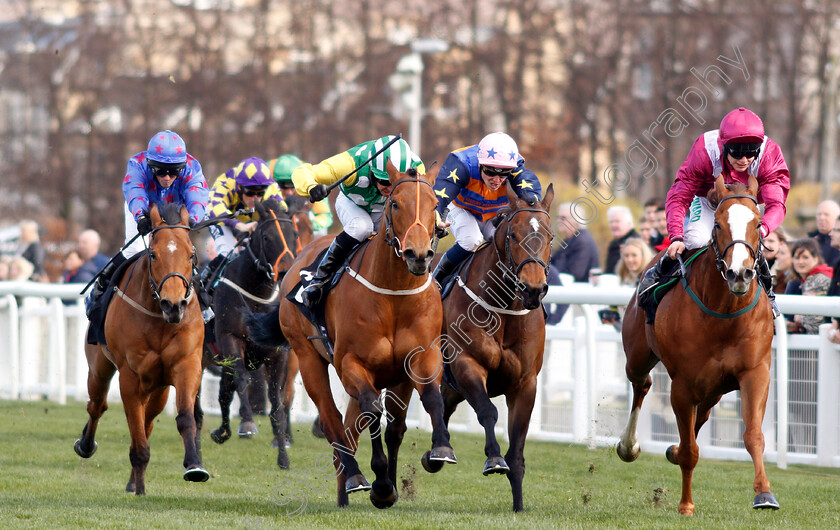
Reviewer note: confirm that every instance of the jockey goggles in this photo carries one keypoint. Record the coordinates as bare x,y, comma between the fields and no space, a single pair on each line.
159,169
501,172
253,191
739,151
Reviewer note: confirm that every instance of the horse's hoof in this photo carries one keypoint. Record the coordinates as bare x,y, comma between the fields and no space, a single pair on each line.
288,444
625,455
670,454
356,483
443,454
383,501
220,435
81,452
765,500
495,464
429,465
283,460
129,488
196,474
247,429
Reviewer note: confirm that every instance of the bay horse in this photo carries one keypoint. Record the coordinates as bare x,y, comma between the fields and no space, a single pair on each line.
384,318
713,334
250,283
495,329
154,333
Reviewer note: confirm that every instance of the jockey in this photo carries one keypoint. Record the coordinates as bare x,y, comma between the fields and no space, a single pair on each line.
473,180
238,188
359,205
736,150
163,173
320,214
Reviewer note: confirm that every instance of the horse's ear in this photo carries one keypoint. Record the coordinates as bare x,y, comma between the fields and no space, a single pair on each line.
512,197
185,216
547,198
752,186
154,215
432,173
393,173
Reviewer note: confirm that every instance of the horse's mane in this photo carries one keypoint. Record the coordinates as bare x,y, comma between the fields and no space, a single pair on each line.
296,204
170,212
274,205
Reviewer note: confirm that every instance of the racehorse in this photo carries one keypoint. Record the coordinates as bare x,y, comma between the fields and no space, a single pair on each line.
250,284
154,332
713,333
494,320
384,318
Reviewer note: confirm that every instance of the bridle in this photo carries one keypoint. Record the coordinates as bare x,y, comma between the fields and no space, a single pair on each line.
156,287
261,262
510,261
390,237
720,264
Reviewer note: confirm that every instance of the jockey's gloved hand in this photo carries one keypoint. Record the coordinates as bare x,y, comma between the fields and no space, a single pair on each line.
192,222
318,192
144,224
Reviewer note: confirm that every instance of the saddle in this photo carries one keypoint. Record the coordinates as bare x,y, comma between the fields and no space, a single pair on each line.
651,299
316,315
97,309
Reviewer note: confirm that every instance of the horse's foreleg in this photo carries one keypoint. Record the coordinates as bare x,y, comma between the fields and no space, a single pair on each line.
289,391
242,380
754,388
396,399
187,377
704,410
198,414
154,406
451,399
316,380
276,373
383,493
640,361
520,405
471,379
100,372
135,410
226,389
687,454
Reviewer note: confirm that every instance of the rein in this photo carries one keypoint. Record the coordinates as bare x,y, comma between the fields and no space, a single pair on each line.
187,282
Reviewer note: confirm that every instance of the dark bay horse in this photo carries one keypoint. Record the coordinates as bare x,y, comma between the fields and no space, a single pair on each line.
495,329
713,334
249,284
154,332
384,319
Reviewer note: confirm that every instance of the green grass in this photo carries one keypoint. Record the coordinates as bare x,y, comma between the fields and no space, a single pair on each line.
44,484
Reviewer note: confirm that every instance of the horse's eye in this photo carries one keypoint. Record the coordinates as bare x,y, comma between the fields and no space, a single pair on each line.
153,255
395,206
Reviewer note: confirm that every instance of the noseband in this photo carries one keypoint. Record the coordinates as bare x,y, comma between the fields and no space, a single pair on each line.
720,264
390,237
156,287
530,259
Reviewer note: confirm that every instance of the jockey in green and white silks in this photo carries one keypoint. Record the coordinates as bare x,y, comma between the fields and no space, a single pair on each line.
360,204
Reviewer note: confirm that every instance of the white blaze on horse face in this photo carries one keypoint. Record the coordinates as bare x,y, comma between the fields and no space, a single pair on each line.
739,217
535,224
172,246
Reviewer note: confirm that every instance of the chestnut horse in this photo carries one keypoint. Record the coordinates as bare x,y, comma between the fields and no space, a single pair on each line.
495,330
250,284
154,332
384,319
713,333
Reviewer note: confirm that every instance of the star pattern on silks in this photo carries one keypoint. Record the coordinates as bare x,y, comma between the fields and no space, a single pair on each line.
169,198
491,153
453,175
126,179
512,155
526,185
442,194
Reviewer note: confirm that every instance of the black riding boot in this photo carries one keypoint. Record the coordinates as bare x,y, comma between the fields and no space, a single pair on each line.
444,269
654,274
106,274
766,280
340,248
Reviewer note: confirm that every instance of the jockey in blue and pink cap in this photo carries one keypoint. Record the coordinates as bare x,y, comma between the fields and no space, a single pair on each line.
163,173
738,149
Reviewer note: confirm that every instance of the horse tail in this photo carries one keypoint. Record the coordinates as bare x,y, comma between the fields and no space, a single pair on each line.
264,328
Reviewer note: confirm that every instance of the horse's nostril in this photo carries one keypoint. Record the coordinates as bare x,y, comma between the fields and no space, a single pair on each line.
410,254
430,254
730,275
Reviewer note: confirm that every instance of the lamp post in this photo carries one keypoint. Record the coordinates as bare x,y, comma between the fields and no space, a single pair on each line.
408,79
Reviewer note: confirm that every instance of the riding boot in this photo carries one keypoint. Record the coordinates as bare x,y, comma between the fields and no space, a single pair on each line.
207,273
105,276
654,275
766,280
341,247
449,262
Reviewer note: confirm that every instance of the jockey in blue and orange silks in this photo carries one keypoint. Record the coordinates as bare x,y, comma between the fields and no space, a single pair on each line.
472,183
163,173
